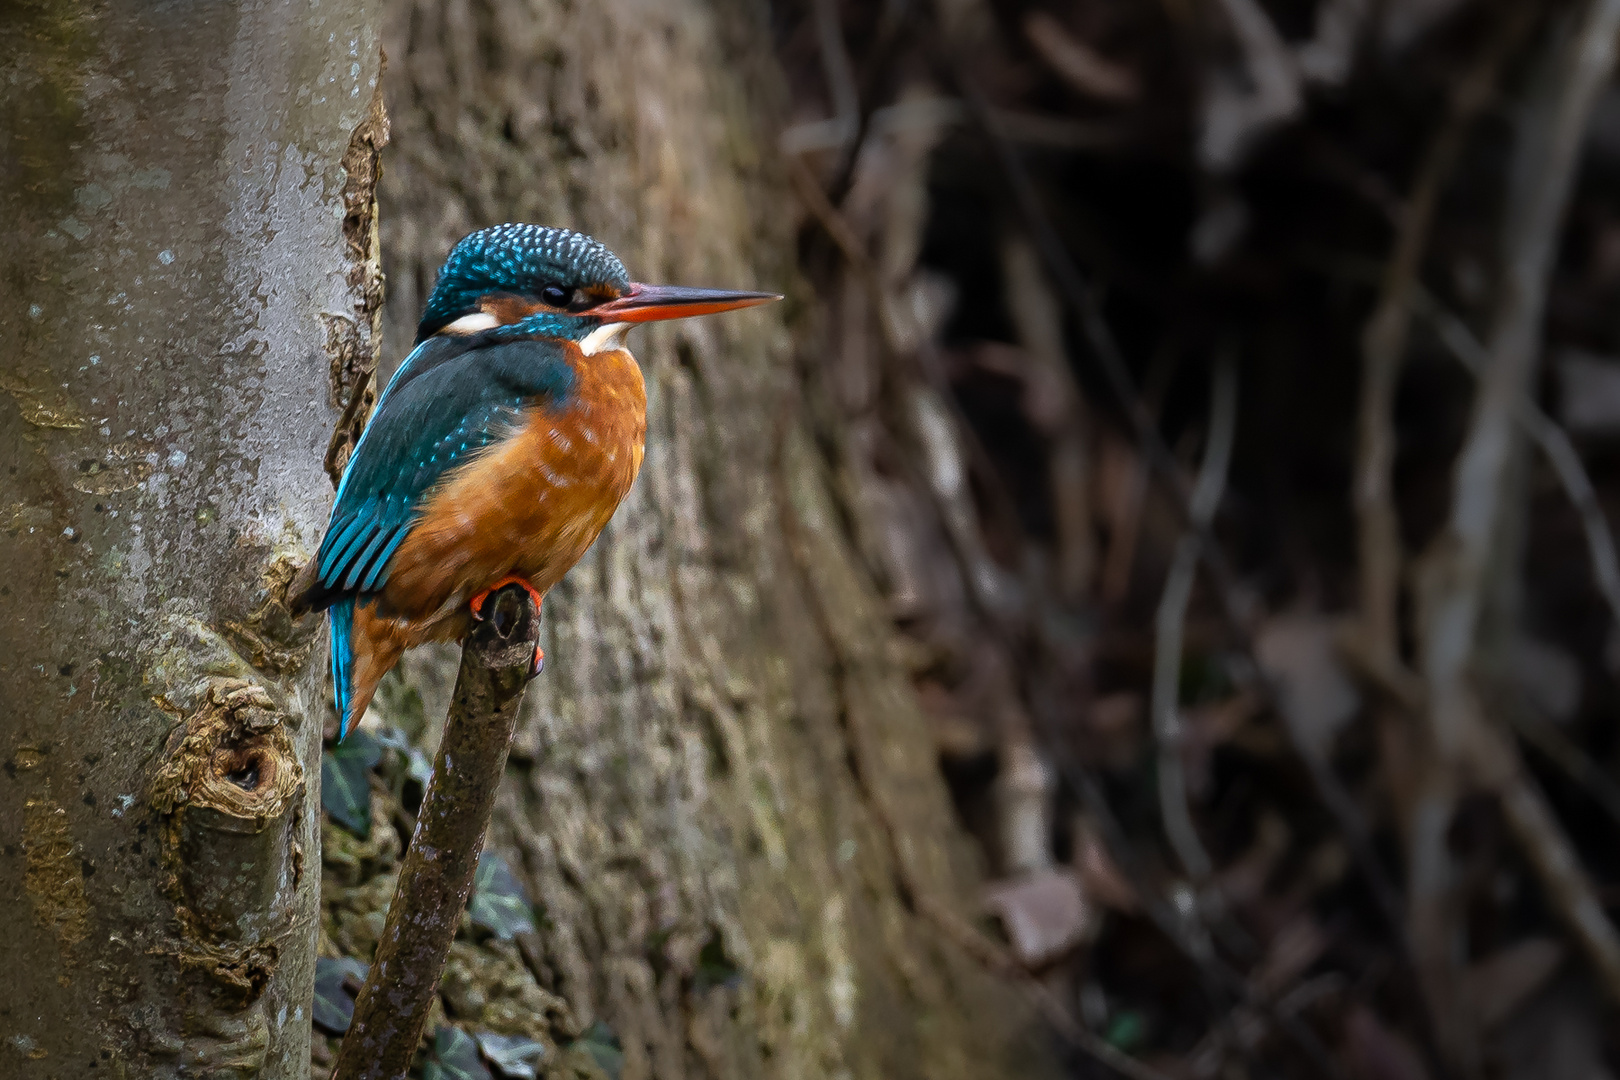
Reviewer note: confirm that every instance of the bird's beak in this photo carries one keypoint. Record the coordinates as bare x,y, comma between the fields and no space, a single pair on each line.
649,303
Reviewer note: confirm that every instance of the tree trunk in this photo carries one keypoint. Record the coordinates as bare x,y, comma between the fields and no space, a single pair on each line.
722,794
187,291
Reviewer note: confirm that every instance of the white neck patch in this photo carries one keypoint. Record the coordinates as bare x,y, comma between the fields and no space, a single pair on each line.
471,324
604,338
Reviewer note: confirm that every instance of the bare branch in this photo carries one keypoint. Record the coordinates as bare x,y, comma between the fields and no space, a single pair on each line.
1383,343
1558,866
1057,409
1327,57
1077,63
838,70
1554,442
438,873
1083,301
1240,106
1172,614
1451,575
1549,149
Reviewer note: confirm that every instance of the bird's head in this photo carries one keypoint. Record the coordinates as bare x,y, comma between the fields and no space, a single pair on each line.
555,283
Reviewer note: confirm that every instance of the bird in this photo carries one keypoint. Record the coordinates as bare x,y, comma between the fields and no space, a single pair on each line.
496,453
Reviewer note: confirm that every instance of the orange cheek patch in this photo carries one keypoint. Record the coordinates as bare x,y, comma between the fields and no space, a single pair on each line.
509,309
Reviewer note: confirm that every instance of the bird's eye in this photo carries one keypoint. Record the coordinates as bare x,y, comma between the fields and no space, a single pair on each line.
557,296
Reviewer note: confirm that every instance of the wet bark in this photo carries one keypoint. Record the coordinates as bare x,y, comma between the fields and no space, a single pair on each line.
186,292
722,794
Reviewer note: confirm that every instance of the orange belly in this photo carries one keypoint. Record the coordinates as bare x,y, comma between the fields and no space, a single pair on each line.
531,505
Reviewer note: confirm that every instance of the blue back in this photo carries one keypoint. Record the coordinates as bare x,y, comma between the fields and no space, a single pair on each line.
451,398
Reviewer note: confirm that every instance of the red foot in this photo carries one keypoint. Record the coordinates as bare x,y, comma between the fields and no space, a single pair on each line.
477,606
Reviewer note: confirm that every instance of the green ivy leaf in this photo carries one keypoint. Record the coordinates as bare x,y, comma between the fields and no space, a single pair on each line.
604,1048
499,903
334,1000
454,1057
512,1055
346,782
1127,1030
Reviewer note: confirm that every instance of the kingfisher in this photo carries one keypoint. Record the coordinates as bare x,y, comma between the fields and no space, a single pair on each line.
496,453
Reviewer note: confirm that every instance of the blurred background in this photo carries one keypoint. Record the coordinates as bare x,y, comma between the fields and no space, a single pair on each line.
1211,413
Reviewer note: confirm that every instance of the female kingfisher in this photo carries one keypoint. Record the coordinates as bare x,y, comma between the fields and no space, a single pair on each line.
498,450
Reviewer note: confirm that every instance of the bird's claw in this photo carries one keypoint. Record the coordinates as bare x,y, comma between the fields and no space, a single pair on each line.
477,603
539,663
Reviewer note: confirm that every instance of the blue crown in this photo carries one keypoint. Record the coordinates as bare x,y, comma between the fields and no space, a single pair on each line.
517,258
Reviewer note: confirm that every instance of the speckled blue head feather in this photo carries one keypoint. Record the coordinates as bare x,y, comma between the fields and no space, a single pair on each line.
517,258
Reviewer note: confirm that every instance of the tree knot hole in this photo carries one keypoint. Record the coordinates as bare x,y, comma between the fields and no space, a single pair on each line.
250,767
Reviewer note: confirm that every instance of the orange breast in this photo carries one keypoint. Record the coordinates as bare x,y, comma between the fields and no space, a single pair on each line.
530,505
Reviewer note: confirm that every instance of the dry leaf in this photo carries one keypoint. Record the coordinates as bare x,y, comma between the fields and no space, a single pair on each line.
1045,914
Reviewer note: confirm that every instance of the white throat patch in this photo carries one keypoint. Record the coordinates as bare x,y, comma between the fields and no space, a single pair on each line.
471,324
604,338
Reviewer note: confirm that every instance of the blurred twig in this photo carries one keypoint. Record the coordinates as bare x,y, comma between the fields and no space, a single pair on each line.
1180,920
1553,441
1076,62
1056,408
1083,301
1383,345
1105,349
836,66
1237,110
1168,625
1451,575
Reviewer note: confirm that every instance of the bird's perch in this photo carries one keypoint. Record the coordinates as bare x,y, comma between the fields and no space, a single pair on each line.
438,873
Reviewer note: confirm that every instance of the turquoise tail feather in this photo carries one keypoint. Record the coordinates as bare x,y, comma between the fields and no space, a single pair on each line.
340,621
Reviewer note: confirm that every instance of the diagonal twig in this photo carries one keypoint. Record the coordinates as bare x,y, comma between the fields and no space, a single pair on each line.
1552,440
437,874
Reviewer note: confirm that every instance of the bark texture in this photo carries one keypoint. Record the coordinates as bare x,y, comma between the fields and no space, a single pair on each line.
721,793
180,305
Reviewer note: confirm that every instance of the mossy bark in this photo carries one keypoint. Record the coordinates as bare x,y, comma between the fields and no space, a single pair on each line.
173,191
722,793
